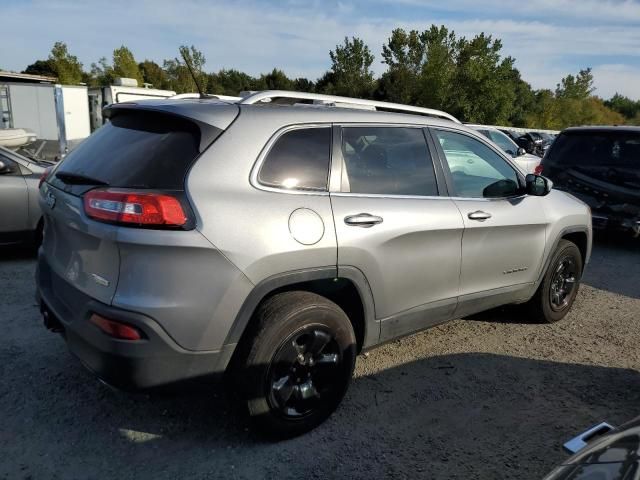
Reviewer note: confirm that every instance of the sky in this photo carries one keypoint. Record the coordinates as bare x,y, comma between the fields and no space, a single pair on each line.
548,38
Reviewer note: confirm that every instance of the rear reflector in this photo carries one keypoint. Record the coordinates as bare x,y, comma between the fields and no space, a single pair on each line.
115,329
134,208
538,169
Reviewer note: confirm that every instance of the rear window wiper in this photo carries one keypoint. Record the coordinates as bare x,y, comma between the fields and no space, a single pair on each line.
78,179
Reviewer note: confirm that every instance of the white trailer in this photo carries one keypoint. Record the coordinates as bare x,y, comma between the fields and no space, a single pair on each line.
57,114
62,115
100,97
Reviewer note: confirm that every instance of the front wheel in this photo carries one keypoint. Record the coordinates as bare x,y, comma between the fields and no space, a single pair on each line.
298,363
557,292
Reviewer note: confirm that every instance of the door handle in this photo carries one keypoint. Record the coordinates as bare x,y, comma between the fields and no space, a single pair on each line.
479,215
365,220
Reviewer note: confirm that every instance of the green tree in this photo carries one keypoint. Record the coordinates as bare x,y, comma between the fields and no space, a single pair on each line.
178,74
579,87
41,67
405,57
439,69
125,66
481,90
325,84
66,66
560,112
436,69
525,99
274,80
624,105
102,74
303,85
153,74
351,69
230,82
546,113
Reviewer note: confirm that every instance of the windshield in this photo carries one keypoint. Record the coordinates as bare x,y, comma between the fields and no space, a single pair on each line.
504,142
597,149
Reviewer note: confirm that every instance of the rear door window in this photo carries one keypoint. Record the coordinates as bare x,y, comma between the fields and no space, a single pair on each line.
298,160
387,161
596,149
137,150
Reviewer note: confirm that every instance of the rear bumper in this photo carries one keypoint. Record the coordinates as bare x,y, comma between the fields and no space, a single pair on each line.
131,365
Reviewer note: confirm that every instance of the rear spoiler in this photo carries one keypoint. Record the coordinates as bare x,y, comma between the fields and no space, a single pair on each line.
211,118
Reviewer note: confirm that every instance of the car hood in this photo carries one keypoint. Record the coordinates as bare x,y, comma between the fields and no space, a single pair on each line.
528,156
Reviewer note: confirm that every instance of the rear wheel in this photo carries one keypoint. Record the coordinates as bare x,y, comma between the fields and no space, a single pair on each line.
298,362
558,290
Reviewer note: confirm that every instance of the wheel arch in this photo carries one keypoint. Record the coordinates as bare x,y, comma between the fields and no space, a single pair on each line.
346,286
576,234
581,240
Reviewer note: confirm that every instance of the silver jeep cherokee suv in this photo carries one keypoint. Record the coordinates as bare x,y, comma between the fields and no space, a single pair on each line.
276,237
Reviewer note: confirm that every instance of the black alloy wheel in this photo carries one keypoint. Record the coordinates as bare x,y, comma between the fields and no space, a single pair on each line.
563,281
305,369
295,363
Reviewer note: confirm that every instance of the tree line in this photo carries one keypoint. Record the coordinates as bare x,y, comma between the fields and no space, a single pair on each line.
435,68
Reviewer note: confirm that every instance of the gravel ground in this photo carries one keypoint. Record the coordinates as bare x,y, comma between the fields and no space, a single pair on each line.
488,397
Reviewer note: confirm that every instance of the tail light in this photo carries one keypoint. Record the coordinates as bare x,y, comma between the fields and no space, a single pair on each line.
135,208
44,176
538,169
115,329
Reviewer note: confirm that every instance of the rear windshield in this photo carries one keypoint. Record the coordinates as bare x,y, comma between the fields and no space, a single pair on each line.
597,148
137,150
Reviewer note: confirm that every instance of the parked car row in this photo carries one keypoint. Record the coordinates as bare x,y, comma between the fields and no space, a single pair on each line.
599,165
534,143
526,161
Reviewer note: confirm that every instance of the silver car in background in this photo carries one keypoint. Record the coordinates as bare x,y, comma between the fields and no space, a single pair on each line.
526,161
20,216
273,238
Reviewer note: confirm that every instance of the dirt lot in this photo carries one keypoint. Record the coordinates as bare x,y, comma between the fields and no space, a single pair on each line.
488,397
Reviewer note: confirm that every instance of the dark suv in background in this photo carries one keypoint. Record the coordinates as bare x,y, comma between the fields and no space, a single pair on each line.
600,166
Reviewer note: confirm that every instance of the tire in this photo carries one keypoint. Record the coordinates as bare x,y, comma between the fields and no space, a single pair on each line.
38,235
296,364
547,306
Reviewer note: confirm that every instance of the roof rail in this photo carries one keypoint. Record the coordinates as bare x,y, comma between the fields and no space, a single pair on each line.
345,102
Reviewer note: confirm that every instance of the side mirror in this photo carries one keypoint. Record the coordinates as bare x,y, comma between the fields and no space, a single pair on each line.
537,185
521,151
4,168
